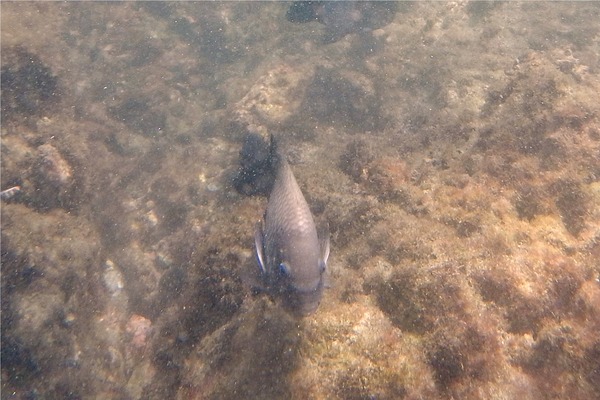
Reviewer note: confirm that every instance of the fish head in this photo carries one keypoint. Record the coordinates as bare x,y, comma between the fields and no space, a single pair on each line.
299,275
302,302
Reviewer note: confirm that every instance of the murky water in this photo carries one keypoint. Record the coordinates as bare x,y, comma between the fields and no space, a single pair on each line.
453,149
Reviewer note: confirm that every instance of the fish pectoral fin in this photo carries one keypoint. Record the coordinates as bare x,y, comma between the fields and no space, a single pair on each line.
258,244
323,233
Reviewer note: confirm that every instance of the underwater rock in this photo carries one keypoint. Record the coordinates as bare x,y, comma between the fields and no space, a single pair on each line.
343,17
391,327
139,114
271,101
55,170
389,176
252,356
346,98
54,180
572,203
523,314
28,85
210,299
113,278
349,218
464,352
416,302
49,297
140,329
255,175
529,203
294,98
356,159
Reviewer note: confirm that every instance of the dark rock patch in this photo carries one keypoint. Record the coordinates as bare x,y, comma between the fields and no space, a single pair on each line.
138,114
572,204
415,304
29,88
356,159
347,100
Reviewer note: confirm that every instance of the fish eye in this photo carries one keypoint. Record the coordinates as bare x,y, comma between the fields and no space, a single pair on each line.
283,269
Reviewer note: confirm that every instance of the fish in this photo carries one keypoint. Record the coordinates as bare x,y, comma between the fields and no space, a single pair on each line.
291,253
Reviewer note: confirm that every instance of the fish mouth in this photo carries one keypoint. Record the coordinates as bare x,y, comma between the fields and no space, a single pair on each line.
303,302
